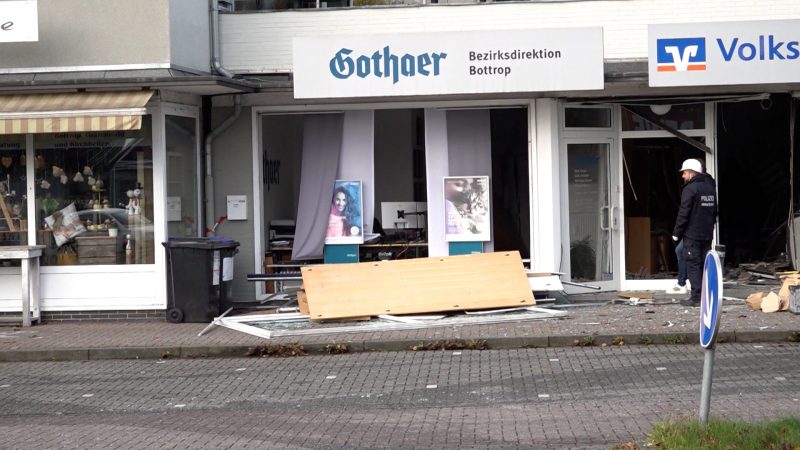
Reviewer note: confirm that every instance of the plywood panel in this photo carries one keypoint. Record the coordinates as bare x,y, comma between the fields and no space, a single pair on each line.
638,245
486,280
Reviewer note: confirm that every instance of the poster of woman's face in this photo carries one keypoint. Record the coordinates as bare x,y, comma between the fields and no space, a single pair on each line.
345,221
466,207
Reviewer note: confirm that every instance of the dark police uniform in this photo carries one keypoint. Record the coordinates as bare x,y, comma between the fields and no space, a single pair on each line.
695,225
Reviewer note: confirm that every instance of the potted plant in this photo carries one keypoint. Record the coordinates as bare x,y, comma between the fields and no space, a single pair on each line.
67,255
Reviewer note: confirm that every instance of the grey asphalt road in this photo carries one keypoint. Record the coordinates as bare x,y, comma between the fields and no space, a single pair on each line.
582,397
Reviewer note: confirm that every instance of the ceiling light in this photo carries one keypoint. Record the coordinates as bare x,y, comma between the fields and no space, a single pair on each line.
660,109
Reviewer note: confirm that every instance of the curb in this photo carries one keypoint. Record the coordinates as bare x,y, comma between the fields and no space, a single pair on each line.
496,343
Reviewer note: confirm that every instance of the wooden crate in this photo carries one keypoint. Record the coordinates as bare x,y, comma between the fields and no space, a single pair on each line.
449,283
98,249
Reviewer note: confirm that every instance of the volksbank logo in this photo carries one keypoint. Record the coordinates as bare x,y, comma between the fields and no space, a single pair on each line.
384,64
681,54
765,48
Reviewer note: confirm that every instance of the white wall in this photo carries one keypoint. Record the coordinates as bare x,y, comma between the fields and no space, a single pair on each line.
546,205
189,34
86,288
233,175
78,33
114,35
262,43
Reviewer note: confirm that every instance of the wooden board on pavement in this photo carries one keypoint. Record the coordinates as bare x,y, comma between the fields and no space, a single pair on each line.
447,283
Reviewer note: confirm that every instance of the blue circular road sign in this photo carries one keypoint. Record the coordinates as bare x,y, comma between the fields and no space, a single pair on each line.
710,300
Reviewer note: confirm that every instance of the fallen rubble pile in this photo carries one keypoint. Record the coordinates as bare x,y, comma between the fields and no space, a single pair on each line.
787,298
402,294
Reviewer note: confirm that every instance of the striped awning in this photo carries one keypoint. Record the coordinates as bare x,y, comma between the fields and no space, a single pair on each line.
82,111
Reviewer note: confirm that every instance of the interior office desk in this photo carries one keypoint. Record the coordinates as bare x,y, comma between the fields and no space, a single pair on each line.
29,257
416,248
396,250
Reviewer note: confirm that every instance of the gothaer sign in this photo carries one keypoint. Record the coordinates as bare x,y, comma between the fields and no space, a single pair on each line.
448,63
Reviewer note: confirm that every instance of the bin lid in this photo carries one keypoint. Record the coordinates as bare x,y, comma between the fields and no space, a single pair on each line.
211,243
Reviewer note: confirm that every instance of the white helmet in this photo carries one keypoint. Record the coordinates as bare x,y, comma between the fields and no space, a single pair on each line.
692,164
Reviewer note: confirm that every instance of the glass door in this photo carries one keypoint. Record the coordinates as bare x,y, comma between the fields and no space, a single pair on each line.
182,170
590,226
182,148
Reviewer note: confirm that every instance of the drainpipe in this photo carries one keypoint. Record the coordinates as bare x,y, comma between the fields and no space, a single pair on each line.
216,64
215,58
209,179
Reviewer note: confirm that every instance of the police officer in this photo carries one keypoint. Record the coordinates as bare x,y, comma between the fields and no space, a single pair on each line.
695,223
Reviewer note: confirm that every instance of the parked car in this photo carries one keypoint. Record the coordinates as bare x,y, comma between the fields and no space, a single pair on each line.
127,224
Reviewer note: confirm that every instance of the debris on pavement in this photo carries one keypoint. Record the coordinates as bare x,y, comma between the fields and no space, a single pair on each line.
769,270
772,302
632,295
294,324
411,286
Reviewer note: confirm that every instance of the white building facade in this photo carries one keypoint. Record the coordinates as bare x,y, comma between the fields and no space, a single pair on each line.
565,106
601,161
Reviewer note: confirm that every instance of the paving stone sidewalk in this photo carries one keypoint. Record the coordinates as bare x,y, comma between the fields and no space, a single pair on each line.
591,319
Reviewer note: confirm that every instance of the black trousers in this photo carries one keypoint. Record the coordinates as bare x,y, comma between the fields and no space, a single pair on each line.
695,254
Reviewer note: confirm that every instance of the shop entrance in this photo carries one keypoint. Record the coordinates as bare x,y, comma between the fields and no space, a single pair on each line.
621,189
652,196
655,140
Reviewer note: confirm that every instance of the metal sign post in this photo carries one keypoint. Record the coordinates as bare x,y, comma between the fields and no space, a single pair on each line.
710,305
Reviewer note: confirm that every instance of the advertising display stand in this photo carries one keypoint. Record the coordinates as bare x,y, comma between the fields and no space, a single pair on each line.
199,275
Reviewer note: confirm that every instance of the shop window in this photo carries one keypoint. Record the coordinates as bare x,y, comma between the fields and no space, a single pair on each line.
679,117
13,208
94,202
266,5
587,117
181,145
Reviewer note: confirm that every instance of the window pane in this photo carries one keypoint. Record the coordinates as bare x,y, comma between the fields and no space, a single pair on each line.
589,208
94,197
679,117
181,142
587,117
13,208
262,5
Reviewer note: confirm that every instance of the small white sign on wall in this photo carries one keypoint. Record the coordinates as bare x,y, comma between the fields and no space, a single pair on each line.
173,209
237,207
19,21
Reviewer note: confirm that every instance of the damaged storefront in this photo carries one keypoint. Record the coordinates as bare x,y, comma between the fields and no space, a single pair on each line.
590,173
414,152
558,128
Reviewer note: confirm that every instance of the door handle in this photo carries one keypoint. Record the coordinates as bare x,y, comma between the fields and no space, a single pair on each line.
613,220
604,218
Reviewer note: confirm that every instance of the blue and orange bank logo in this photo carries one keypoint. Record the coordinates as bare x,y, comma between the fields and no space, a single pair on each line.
681,54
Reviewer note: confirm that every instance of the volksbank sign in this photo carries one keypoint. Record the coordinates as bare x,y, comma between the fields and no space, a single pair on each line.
724,53
448,63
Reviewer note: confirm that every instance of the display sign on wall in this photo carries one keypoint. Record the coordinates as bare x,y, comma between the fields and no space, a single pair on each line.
19,21
345,220
466,208
449,63
724,53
